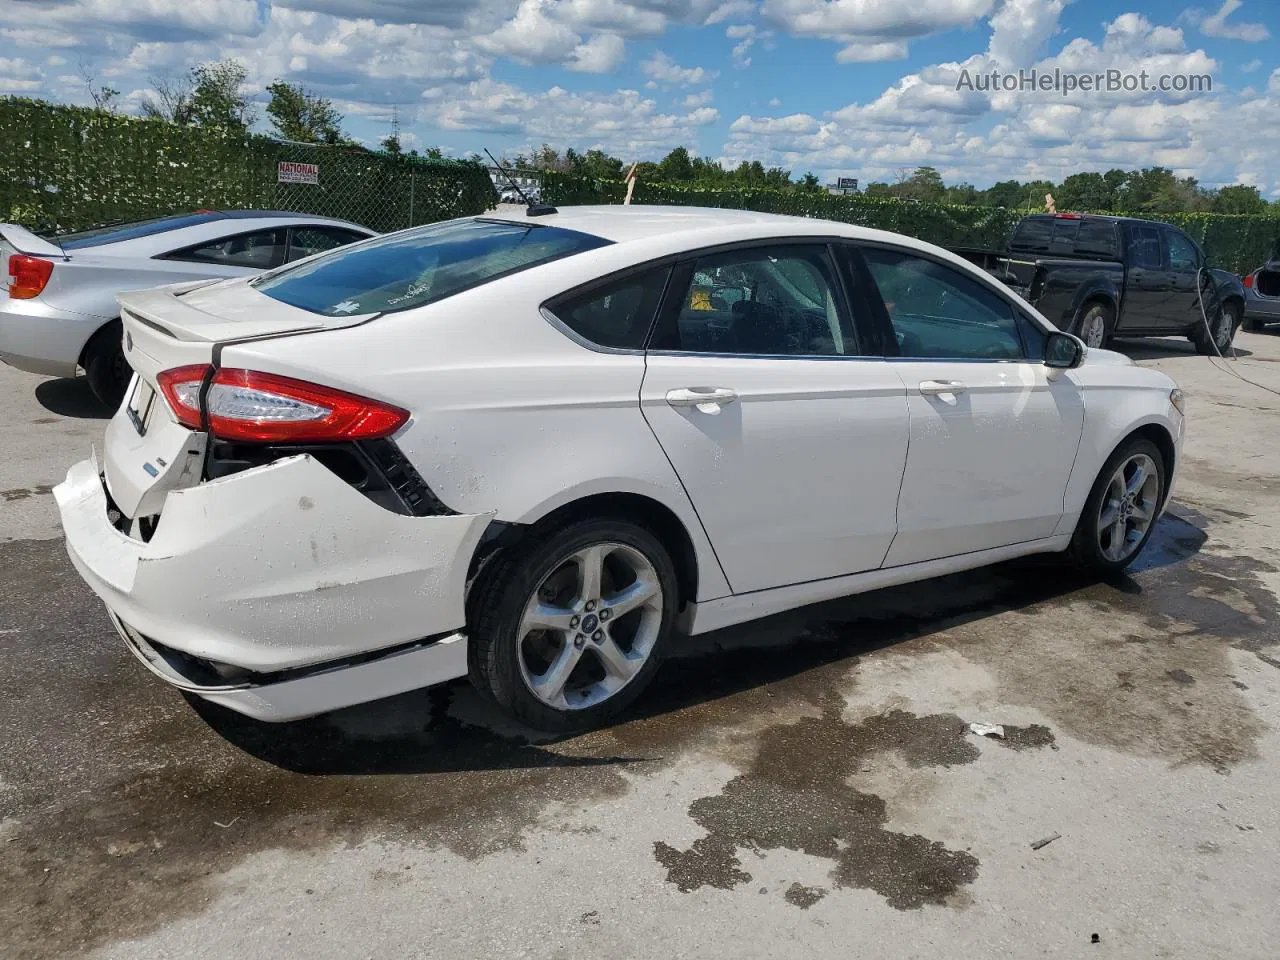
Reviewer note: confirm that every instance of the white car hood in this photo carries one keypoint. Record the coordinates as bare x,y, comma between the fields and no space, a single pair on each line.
222,311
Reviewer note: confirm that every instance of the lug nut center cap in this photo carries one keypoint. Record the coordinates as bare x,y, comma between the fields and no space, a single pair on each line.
590,622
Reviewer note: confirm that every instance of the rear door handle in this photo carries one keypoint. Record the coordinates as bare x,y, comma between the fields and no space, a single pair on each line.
705,399
933,388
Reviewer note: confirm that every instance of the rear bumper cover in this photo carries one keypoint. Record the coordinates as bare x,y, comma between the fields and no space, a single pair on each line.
1260,307
280,568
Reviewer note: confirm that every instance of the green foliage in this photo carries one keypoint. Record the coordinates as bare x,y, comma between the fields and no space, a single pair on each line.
68,168
297,114
1233,242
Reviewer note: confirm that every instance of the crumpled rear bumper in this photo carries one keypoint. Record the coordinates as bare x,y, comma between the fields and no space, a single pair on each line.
287,575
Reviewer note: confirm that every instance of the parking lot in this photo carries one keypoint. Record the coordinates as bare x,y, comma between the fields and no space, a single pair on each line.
805,786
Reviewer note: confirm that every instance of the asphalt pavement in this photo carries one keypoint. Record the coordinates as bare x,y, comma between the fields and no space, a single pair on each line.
806,786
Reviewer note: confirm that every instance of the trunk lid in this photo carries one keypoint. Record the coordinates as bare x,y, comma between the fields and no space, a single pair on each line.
213,311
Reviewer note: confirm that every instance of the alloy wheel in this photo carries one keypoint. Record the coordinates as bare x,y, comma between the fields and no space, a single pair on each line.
590,626
1128,507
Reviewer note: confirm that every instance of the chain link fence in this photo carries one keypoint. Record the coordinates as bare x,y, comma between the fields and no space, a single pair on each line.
68,168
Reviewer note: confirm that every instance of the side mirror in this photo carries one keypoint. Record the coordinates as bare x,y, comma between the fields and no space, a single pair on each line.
1062,351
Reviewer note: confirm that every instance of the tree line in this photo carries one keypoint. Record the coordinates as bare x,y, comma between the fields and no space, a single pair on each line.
214,95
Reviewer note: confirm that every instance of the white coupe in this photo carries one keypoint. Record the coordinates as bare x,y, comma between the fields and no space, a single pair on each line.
538,448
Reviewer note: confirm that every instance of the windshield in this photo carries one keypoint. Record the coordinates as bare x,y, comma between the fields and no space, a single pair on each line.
418,267
116,232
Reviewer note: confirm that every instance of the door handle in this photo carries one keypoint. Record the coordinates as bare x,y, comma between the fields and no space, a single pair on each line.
932,388
701,397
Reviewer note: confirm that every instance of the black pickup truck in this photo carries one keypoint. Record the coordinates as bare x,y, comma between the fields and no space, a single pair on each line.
1098,277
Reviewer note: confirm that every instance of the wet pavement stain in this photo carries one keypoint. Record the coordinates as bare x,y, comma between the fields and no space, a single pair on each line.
22,493
803,897
1031,737
796,795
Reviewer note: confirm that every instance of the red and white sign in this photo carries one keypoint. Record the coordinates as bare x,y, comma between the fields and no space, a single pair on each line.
289,172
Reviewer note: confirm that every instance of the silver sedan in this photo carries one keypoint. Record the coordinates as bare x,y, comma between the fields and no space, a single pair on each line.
59,310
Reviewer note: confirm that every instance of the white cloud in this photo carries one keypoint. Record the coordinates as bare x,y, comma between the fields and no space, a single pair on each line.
699,99
624,122
19,76
1252,66
601,54
533,35
1216,25
872,52
663,69
746,34
775,102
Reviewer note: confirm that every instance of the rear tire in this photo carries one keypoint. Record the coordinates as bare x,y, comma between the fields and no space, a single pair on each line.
612,584
1093,325
105,367
1120,514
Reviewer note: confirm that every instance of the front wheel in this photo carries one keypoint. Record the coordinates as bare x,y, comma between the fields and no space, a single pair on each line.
1216,341
567,630
1120,514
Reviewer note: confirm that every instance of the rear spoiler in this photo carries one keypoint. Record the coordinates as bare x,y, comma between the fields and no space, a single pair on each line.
24,241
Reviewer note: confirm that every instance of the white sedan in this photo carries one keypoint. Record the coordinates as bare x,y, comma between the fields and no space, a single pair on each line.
538,448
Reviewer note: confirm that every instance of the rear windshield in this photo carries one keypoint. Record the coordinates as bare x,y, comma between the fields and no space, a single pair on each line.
116,232
1066,236
416,267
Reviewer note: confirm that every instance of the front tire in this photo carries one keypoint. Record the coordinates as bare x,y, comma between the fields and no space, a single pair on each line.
568,629
1120,514
105,367
1222,331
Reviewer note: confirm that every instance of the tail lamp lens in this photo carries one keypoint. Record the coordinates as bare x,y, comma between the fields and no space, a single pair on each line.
28,276
256,407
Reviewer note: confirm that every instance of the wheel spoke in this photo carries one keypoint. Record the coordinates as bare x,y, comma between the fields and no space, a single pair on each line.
1138,479
636,595
591,570
616,663
1140,513
546,616
1110,513
550,685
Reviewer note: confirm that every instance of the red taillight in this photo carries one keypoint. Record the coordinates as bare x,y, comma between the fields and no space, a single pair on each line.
1248,281
1068,216
28,276
181,388
259,407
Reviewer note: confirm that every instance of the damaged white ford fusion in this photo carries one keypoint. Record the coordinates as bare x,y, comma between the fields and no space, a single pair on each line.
536,449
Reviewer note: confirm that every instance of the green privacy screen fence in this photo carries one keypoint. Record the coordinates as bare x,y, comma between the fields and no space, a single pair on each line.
67,168
1238,243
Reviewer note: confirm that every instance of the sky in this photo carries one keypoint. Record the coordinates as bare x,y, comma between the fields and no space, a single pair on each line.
856,88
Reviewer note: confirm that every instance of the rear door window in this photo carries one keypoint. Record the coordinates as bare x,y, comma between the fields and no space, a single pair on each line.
616,314
416,267
1144,248
260,250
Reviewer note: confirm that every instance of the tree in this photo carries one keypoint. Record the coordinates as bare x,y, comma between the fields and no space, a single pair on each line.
298,114
809,183
172,100
391,144
1006,193
217,99
210,95
1086,191
925,184
676,165
103,97
1240,199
